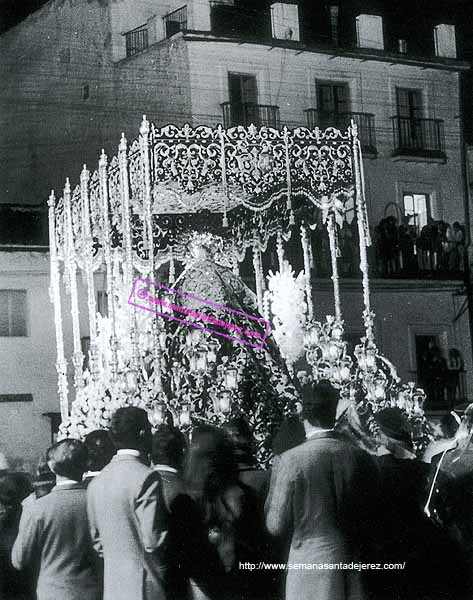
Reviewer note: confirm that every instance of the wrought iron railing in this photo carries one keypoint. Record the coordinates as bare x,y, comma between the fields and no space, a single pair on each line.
418,137
397,253
238,21
342,120
248,113
175,21
136,40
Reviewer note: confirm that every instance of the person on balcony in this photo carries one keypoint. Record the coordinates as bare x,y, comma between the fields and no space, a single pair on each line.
457,248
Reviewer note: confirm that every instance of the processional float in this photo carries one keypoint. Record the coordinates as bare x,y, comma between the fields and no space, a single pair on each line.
241,189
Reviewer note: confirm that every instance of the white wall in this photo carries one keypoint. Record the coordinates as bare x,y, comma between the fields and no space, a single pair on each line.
27,365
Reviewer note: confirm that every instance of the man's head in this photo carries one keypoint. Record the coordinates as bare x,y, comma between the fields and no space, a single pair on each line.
320,404
394,429
240,433
101,448
68,458
131,429
168,447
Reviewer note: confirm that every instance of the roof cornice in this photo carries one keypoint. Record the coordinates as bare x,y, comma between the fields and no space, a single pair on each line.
361,54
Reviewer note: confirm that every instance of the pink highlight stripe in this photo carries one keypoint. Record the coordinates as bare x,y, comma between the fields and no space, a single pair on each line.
140,294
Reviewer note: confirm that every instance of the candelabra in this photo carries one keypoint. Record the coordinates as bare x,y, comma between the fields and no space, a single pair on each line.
201,385
326,352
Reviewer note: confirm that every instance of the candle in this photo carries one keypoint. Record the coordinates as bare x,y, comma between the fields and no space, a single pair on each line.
379,392
337,333
157,416
334,350
212,352
201,362
185,416
225,401
231,381
131,380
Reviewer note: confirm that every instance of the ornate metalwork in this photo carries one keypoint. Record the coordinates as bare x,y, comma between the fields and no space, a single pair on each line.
241,186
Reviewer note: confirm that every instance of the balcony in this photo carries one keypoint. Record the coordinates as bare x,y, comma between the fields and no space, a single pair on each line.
418,138
260,115
342,120
136,40
235,21
175,21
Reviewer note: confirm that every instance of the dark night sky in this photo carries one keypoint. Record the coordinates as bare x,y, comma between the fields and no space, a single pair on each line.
404,13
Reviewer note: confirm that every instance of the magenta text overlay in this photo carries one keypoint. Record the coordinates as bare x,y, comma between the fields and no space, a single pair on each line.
158,298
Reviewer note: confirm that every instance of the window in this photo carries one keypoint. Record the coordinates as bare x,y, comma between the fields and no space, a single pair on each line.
432,370
333,97
243,99
333,105
102,303
16,398
409,103
417,207
85,92
13,313
242,88
409,113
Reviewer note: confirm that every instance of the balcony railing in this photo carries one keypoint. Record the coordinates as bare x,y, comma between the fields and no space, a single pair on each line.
342,120
136,40
418,137
175,21
236,21
248,113
398,251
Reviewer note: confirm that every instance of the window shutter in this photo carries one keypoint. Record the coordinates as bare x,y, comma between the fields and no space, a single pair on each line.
403,106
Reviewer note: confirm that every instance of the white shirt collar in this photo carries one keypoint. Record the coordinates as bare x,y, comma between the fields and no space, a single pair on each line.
315,432
129,452
66,482
91,474
165,468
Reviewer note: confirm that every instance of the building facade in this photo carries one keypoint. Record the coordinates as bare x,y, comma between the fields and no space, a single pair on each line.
76,74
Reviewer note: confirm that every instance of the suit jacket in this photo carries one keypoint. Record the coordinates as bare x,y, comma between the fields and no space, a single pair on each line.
173,485
54,540
317,491
128,518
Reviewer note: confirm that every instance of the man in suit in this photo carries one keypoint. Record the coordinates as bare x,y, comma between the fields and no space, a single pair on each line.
127,514
100,446
316,498
53,538
167,454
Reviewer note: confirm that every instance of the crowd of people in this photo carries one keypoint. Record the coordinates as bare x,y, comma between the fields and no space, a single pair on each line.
129,514
401,250
398,250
